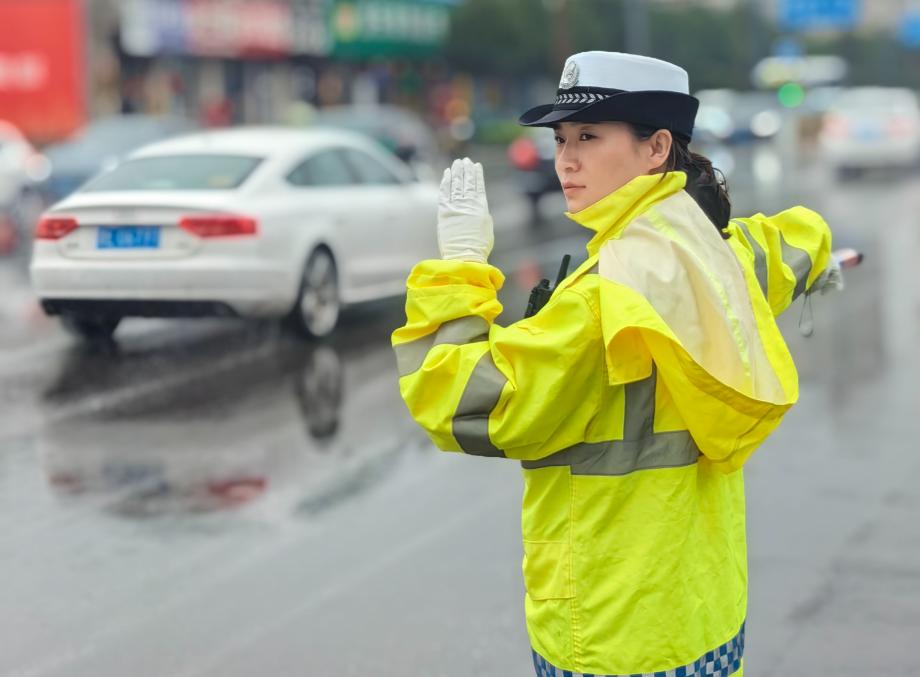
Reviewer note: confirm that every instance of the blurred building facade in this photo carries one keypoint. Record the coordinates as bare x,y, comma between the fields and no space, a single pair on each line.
235,61
228,61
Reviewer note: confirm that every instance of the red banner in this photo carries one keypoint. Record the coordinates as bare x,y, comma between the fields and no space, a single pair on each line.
42,67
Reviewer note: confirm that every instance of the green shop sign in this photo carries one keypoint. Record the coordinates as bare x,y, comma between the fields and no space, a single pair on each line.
368,28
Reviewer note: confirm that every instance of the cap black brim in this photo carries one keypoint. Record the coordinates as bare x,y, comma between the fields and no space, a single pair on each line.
659,109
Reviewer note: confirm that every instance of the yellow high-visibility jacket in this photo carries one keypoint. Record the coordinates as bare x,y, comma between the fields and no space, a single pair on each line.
632,399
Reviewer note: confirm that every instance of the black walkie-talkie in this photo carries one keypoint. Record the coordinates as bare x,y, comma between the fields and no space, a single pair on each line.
540,294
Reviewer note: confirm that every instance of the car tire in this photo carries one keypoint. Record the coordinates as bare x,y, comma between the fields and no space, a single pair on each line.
91,328
316,312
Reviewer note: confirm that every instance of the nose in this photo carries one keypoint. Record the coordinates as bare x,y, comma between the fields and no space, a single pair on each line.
567,159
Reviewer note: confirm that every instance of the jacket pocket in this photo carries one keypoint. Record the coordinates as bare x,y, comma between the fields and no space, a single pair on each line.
548,570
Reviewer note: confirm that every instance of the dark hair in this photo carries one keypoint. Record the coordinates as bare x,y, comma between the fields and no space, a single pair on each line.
705,184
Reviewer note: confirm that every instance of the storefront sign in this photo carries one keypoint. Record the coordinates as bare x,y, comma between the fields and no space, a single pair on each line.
223,28
363,28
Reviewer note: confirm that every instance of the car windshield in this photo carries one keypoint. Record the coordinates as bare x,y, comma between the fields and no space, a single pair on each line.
177,172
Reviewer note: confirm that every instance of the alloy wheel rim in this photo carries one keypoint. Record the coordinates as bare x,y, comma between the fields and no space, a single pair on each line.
319,305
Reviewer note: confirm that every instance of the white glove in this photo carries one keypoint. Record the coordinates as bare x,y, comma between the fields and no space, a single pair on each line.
831,278
464,223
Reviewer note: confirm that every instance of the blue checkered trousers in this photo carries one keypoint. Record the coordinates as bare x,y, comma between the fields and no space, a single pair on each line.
720,662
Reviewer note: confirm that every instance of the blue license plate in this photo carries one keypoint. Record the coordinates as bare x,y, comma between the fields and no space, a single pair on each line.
128,237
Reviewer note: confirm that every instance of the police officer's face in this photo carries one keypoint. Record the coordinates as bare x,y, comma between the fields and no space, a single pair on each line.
593,159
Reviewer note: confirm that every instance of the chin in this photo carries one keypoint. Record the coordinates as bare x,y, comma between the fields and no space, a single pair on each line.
575,205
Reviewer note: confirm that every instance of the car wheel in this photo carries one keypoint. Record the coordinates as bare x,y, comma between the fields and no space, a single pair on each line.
316,312
91,327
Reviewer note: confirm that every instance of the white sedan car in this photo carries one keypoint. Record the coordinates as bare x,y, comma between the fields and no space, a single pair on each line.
254,222
869,127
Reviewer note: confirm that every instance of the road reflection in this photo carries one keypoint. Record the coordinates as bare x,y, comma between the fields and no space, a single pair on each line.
235,419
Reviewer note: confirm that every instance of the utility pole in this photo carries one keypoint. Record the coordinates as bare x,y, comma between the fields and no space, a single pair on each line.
636,21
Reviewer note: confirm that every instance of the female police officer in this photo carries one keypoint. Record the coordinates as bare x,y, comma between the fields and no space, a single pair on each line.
636,394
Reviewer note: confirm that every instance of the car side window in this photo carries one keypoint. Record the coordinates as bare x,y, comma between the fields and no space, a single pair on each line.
369,169
325,168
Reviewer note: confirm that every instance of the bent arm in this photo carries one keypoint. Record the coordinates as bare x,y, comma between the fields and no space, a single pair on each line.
788,251
488,390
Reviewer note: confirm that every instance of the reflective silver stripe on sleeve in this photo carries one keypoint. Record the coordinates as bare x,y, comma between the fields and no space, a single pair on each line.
471,420
411,355
800,262
640,449
760,257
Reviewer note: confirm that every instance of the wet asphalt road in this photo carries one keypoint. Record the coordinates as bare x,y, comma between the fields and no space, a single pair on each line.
210,498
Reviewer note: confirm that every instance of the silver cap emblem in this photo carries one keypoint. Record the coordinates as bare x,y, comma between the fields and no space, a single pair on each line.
569,76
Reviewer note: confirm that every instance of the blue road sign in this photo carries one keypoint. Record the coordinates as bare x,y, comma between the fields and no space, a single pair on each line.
801,15
909,31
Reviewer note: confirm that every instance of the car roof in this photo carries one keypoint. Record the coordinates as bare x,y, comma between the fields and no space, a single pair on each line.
252,141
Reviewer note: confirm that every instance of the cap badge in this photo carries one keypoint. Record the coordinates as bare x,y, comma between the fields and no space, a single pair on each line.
569,76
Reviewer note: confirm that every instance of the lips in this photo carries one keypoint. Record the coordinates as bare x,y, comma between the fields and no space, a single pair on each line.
571,186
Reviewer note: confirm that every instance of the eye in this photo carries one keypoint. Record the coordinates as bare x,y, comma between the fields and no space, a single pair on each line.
559,140
585,136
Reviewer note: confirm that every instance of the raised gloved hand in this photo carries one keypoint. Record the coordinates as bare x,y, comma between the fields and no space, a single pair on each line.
464,223
831,278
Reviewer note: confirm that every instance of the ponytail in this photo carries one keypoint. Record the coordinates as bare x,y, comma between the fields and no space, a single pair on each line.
705,184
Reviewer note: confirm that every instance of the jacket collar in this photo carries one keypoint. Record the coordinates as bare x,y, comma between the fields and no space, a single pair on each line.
608,216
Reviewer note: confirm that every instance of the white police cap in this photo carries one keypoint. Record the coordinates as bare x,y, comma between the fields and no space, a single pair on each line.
613,86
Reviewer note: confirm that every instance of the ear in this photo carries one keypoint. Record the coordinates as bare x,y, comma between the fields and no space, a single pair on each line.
658,149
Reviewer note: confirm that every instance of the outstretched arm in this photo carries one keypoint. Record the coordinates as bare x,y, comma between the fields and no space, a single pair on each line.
787,251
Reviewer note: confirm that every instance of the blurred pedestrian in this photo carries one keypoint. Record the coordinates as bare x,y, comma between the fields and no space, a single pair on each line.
635,395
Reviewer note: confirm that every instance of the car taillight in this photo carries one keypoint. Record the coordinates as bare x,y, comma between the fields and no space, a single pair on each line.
901,126
523,154
218,225
836,126
55,227
239,490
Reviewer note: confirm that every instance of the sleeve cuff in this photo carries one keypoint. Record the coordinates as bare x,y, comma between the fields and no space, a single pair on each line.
434,273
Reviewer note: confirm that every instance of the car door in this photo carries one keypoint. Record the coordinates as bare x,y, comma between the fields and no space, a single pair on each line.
327,184
407,220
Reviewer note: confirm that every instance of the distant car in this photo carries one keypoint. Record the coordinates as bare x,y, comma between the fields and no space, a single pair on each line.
533,155
398,129
22,168
869,127
730,116
255,222
102,144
